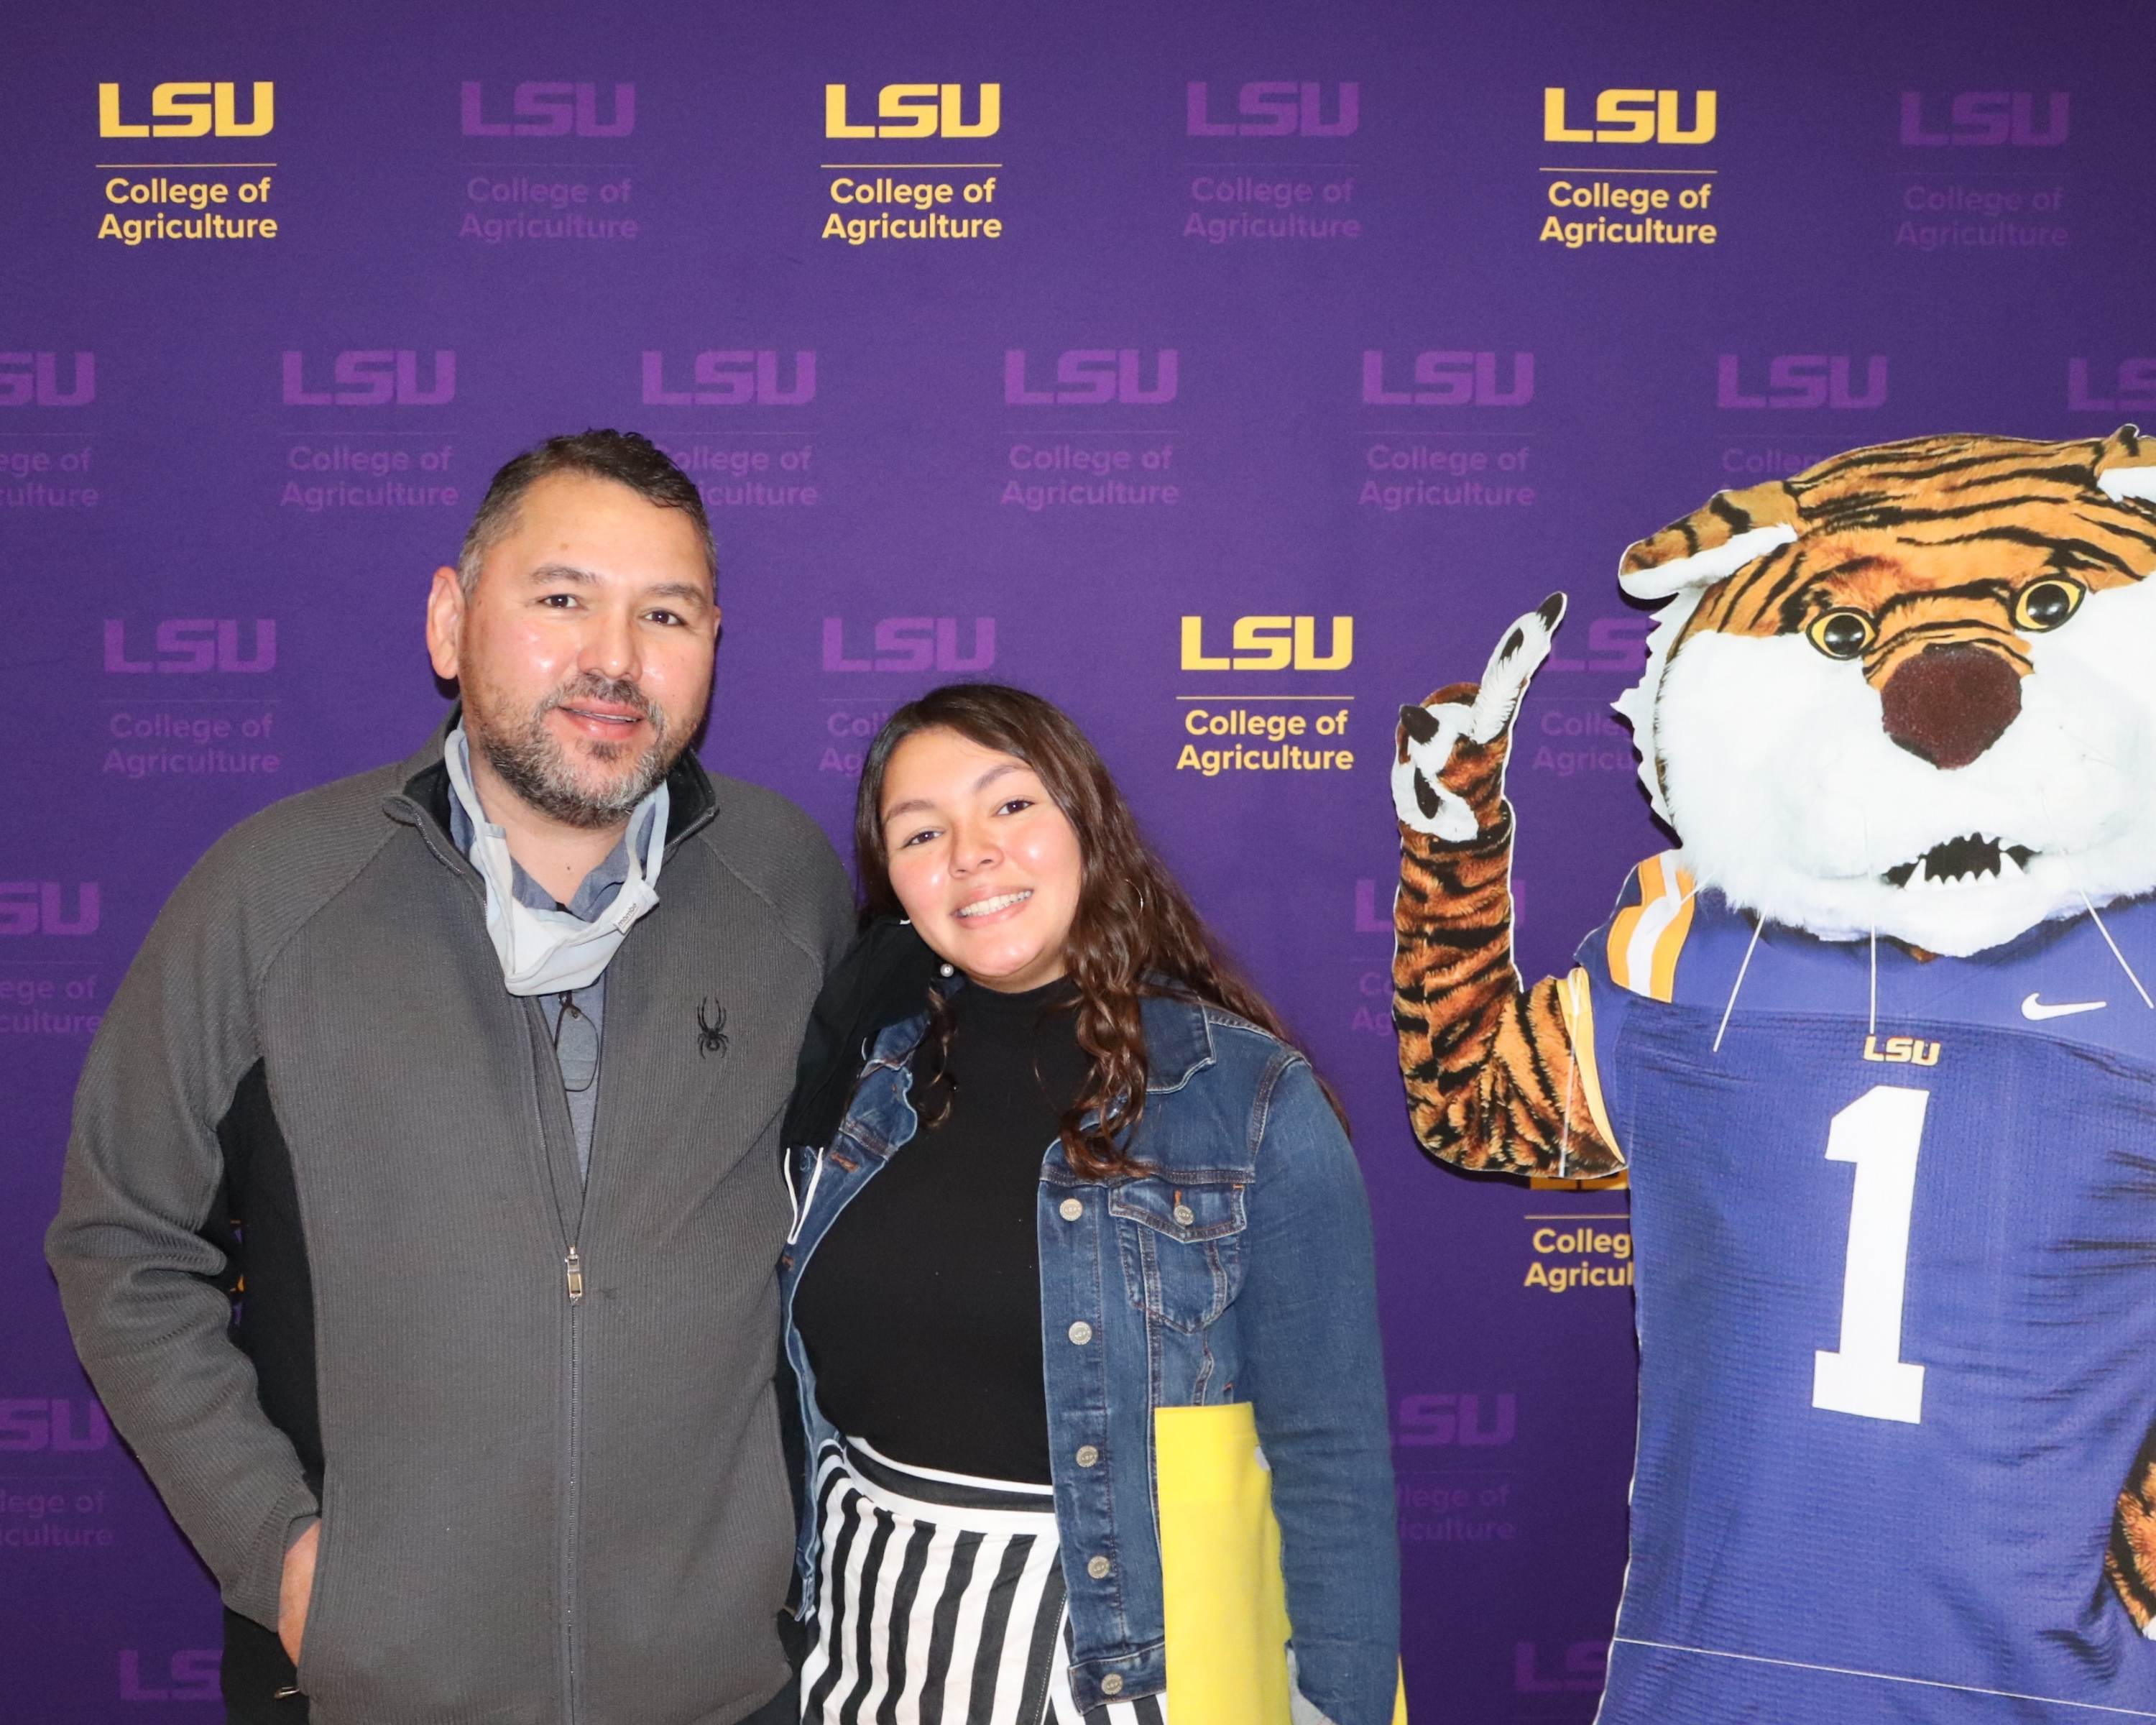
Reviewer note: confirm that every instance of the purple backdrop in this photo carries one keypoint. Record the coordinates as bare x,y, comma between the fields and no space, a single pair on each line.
1281,318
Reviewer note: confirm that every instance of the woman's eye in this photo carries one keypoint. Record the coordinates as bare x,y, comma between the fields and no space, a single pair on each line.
913,839
1015,803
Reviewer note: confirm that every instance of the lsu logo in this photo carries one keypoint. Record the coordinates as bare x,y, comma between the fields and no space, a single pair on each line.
1274,110
191,1674
34,380
40,907
372,378
910,643
1632,116
733,377
1902,1051
1092,377
191,646
58,1424
1271,644
1986,117
918,110
1447,379
190,110
2135,387
550,110
1802,380
1432,1420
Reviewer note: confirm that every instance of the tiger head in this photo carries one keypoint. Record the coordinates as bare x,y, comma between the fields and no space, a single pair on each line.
1910,691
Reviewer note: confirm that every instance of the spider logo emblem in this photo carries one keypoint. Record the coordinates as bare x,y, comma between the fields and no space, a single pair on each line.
711,1038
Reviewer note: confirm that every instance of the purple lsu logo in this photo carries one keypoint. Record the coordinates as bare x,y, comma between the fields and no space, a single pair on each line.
910,643
2135,387
1444,377
1274,110
372,378
56,1422
189,1675
34,380
550,110
1093,377
733,377
40,907
191,646
1580,1670
1802,380
1437,1419
1986,117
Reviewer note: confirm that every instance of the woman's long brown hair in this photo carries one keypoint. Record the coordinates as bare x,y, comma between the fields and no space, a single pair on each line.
1135,932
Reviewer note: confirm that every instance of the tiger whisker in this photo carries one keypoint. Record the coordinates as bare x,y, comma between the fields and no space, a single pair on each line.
1757,925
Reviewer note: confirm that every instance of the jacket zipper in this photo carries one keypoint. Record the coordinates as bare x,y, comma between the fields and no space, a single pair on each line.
575,1267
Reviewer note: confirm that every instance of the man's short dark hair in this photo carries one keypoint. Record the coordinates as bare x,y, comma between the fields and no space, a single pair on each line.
628,458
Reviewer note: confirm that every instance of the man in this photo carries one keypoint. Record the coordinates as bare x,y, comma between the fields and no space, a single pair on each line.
466,1075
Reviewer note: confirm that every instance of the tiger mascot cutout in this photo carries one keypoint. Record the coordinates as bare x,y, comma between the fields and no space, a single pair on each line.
1875,1050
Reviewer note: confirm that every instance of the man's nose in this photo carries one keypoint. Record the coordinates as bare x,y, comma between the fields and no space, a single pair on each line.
610,645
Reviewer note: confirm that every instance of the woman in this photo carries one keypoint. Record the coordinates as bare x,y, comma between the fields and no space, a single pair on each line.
1081,1181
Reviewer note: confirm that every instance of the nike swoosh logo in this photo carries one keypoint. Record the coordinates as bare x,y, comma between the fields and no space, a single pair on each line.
2032,1007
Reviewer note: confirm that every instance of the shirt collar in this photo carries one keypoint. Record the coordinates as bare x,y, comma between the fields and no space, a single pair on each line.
596,890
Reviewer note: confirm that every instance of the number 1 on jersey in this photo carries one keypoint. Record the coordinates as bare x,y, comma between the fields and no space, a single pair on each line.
1867,1375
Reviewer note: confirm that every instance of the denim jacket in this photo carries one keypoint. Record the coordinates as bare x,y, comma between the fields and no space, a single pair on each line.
1237,1269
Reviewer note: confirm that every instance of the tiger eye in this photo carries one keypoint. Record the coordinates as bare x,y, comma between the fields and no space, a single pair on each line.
2046,604
1840,634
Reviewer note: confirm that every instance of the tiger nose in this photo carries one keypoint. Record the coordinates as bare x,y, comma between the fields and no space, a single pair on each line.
1950,704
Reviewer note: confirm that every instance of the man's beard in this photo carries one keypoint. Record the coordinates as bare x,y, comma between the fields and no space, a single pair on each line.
534,766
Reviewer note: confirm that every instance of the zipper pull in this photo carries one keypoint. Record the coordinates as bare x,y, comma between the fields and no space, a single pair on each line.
575,1265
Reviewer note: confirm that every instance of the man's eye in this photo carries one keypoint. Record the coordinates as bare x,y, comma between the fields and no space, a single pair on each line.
559,601
672,619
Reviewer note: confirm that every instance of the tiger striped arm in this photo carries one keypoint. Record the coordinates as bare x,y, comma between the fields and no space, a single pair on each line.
2129,1561
1491,1078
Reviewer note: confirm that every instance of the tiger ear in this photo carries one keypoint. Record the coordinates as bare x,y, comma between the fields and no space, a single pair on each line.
2126,466
1732,529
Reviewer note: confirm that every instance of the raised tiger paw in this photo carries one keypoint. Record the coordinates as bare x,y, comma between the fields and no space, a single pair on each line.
1448,774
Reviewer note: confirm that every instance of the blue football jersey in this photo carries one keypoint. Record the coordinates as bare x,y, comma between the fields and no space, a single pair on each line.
1896,1273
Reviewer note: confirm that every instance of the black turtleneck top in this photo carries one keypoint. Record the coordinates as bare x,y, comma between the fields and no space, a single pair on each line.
921,1308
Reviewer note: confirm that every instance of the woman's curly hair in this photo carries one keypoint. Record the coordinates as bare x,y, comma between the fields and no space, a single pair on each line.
1135,932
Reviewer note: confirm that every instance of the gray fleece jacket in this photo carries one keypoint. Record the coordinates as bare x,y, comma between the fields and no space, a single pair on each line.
535,1413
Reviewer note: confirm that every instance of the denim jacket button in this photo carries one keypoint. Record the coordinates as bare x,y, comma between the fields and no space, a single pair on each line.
1098,1568
1070,1210
1113,1684
1087,1455
1184,1216
1081,1332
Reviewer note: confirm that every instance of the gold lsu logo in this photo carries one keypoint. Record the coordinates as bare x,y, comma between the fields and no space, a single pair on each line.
190,110
918,110
1901,1051
1271,644
1631,116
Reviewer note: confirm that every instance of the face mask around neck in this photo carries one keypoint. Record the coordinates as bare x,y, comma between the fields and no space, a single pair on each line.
549,952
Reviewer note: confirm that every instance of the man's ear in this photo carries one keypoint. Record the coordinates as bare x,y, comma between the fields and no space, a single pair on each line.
445,622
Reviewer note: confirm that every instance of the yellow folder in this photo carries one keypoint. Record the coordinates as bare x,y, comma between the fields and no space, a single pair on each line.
1220,1571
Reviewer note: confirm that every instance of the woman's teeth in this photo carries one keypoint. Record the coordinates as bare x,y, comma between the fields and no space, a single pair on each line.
984,906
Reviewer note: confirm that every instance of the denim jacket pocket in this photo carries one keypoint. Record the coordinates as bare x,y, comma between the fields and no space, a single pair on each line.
1181,1247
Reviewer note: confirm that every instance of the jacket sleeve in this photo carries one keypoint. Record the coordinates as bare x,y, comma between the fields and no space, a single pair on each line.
1315,1374
141,1276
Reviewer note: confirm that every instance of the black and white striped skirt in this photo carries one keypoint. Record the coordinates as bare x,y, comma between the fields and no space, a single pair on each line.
941,1602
